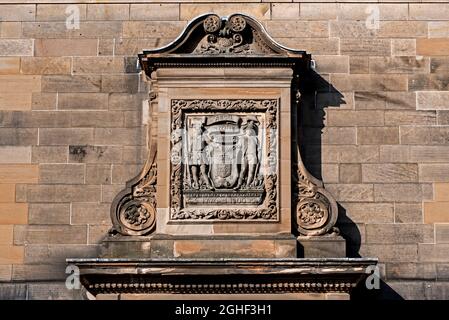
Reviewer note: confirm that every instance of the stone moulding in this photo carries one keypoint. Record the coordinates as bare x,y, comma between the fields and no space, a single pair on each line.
236,41
223,276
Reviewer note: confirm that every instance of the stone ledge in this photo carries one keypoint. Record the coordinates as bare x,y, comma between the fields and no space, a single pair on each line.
204,277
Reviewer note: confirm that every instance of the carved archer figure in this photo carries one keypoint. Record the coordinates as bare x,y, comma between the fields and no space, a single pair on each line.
247,149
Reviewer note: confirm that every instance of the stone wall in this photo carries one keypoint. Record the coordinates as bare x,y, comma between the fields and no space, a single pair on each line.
72,133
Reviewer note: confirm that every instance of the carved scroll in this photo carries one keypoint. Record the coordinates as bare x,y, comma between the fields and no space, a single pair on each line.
133,210
315,210
198,172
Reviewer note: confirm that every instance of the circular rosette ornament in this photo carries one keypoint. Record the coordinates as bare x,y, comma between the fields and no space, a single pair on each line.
237,23
212,24
311,214
136,218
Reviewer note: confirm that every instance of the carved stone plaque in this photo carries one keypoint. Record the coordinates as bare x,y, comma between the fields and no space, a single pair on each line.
223,159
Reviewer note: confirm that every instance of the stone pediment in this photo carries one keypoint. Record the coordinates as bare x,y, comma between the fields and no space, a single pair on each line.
223,42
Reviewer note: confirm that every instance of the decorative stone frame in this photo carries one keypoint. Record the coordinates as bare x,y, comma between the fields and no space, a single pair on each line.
269,210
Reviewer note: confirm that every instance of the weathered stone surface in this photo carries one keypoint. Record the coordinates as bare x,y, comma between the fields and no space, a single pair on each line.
324,46
378,135
82,101
364,82
65,136
408,213
98,65
429,11
368,212
389,172
434,172
318,247
10,254
7,194
46,65
122,173
394,154
283,11
392,252
119,136
433,252
151,29
63,193
399,64
53,291
49,213
90,213
10,154
88,29
77,83
399,233
429,100
57,12
12,12
438,29
301,29
9,65
107,12
98,119
61,173
441,233
359,11
95,154
355,118
98,174
429,154
49,154
350,173
65,47
36,234
432,47
403,47
158,12
436,212
439,64
13,291
441,191
365,47
406,117
411,271
424,135
352,192
18,137
405,192
259,11
43,101
18,173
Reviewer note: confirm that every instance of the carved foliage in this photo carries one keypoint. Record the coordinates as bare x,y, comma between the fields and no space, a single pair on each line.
231,36
268,210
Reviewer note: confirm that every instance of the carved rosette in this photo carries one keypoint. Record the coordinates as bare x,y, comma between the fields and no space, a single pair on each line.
269,209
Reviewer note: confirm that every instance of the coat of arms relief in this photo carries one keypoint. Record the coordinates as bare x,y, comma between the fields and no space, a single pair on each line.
223,159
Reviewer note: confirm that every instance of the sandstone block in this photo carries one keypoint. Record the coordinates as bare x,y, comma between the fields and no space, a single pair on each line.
432,47
157,12
401,192
95,154
350,173
358,65
65,47
9,65
126,83
54,234
61,173
438,29
433,252
411,271
63,193
389,172
259,11
108,12
13,12
394,154
429,100
11,254
98,119
90,213
46,65
442,233
150,29
14,101
429,11
98,174
83,101
18,137
285,11
43,101
324,46
351,192
399,233
408,213
368,212
18,173
20,83
441,191
403,47
10,154
49,154
77,83
424,135
378,135
57,12
365,47
436,212
65,136
119,136
7,193
301,29
98,65
49,213
13,213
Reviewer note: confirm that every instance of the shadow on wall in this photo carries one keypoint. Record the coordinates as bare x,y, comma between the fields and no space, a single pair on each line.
316,95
